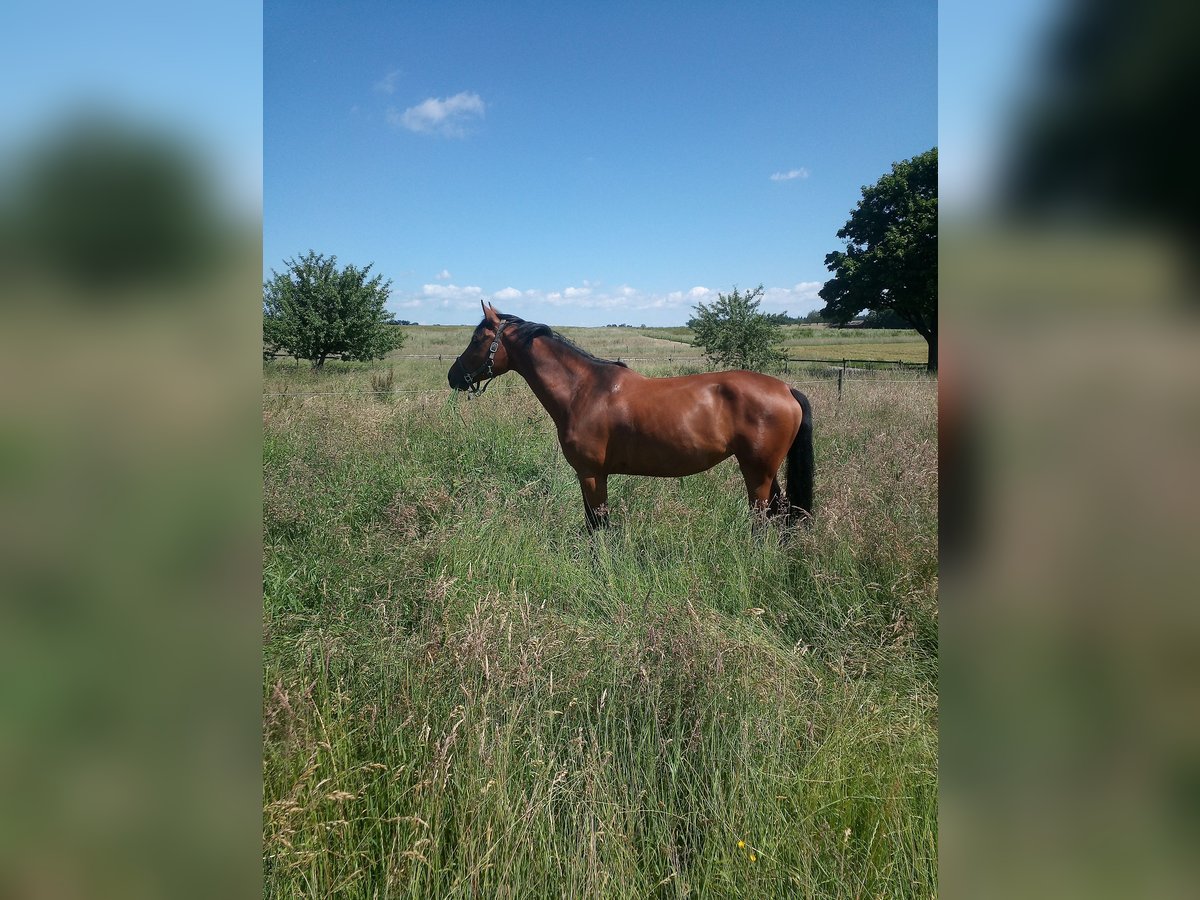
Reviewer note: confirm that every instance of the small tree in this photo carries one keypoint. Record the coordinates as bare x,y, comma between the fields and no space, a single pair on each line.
313,310
890,261
734,334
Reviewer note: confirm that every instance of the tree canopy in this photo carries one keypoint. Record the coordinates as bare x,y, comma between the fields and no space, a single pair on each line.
890,260
734,334
313,311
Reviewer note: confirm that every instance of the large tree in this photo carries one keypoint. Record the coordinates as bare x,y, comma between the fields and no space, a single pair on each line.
313,311
734,334
890,260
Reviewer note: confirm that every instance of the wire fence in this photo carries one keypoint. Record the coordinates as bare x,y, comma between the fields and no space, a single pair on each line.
841,375
689,357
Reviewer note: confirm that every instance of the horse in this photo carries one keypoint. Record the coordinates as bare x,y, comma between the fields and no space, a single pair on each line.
612,420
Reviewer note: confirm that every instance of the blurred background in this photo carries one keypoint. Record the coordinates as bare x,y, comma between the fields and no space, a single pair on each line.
130,223
1069,426
130,266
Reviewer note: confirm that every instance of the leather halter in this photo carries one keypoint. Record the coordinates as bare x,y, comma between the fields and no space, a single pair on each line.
474,384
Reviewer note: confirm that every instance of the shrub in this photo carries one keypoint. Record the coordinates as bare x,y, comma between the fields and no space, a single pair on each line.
734,334
381,384
314,310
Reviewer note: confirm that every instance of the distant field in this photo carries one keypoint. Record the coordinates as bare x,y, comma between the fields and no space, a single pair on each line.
649,350
800,341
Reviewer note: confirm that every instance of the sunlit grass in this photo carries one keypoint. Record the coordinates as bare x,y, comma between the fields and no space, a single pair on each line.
417,365
908,351
466,695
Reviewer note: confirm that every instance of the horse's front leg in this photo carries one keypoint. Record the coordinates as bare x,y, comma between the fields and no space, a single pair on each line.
595,500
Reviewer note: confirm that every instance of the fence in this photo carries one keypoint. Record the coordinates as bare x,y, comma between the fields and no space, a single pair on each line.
842,373
845,362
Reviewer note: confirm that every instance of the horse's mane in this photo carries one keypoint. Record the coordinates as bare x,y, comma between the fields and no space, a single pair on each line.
525,332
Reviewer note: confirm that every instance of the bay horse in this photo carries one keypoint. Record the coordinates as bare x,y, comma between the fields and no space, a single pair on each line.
614,421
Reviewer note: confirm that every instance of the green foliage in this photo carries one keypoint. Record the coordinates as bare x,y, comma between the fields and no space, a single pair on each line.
314,310
884,318
810,318
890,260
735,335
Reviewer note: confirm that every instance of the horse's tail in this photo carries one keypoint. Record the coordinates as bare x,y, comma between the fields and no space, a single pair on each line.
800,465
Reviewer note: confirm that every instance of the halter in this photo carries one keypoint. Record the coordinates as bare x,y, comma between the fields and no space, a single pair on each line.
475,384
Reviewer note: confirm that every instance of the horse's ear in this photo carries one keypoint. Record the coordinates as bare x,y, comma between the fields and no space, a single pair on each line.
489,313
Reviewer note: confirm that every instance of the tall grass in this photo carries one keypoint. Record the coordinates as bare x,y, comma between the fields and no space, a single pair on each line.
466,695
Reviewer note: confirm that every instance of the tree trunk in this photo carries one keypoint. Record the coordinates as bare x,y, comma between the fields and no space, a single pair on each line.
319,361
931,363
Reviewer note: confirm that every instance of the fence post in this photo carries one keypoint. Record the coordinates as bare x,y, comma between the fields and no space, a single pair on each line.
841,375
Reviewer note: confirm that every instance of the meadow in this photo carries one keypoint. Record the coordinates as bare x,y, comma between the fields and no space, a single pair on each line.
804,341
467,695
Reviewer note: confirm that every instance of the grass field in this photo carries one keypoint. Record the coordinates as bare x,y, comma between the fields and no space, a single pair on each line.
815,342
466,695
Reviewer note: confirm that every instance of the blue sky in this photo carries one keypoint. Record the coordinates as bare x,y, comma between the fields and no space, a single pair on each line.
586,163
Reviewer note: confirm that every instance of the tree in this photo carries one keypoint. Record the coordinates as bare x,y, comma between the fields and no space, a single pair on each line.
883,318
313,311
890,261
734,334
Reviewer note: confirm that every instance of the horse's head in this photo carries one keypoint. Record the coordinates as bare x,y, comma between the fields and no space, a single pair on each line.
485,357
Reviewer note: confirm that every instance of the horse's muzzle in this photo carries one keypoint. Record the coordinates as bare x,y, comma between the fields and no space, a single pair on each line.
457,376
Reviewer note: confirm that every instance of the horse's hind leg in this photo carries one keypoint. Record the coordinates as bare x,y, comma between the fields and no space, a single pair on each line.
778,503
762,487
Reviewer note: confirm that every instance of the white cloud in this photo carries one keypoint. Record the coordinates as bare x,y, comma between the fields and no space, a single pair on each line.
790,174
586,297
537,304
449,117
443,275
797,300
388,83
453,294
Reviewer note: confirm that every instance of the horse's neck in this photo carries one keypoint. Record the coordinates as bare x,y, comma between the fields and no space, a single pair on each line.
555,374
